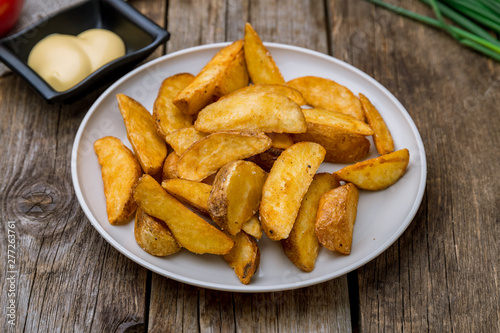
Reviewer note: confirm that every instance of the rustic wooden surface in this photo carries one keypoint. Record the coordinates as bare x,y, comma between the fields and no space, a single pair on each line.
440,276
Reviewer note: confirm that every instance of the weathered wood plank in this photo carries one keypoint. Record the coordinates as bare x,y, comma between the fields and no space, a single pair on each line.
69,279
441,275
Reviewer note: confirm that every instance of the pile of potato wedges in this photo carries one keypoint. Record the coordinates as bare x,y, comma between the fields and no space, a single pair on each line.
231,153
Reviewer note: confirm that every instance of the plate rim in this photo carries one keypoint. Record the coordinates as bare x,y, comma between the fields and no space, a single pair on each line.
249,288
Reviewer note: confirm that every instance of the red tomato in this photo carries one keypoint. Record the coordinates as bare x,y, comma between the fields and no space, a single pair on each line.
9,13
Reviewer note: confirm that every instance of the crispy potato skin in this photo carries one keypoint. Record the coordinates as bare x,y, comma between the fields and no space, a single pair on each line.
337,120
252,112
183,138
153,235
234,78
280,140
120,173
260,64
377,173
191,231
208,155
149,147
253,227
236,194
286,185
336,217
302,245
328,94
244,258
192,193
341,146
282,89
201,91
168,117
169,169
382,136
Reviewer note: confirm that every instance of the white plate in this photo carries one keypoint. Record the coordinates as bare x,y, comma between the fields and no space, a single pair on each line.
382,216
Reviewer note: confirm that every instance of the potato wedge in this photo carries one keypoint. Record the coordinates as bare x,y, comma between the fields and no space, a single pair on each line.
183,138
376,173
341,146
189,192
201,91
236,194
260,63
338,120
253,227
169,170
149,147
234,78
120,172
257,112
286,185
328,94
336,217
191,231
382,137
244,258
168,117
302,246
153,235
209,154
282,89
280,140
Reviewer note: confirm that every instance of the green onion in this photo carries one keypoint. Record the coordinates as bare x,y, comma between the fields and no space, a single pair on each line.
474,16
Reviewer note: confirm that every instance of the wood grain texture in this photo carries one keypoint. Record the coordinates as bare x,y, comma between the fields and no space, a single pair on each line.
443,271
69,279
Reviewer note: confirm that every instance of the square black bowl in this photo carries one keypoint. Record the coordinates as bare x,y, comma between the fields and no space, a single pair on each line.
140,35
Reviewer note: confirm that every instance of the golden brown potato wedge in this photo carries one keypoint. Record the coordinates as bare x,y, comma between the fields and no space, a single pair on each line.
153,235
183,138
382,136
302,246
168,117
338,120
244,258
191,231
280,140
120,172
253,227
209,154
236,194
256,111
149,147
201,91
286,185
189,192
260,63
341,146
336,217
282,89
169,170
234,78
376,173
328,94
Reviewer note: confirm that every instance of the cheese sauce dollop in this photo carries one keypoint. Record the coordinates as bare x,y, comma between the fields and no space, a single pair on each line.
64,60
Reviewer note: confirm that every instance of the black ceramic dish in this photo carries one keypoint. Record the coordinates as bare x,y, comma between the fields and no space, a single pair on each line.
141,37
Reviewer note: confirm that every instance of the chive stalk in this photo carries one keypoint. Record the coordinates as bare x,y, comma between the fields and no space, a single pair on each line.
473,35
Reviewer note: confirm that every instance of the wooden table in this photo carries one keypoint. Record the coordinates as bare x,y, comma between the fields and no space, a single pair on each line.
442,275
